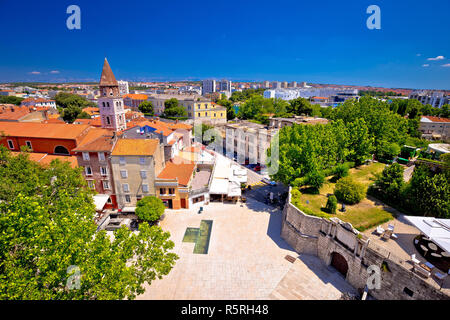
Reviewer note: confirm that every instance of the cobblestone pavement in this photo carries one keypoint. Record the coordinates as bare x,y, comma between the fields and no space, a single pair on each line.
245,258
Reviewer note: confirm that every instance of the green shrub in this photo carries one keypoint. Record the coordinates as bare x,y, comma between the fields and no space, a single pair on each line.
150,208
315,179
349,191
341,170
331,204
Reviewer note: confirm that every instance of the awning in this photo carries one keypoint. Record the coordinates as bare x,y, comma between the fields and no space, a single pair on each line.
128,209
234,189
219,186
438,230
100,201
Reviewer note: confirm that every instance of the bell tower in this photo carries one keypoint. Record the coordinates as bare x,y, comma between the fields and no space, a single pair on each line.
110,103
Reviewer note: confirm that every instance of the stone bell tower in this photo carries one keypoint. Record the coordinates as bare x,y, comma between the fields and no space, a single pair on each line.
110,103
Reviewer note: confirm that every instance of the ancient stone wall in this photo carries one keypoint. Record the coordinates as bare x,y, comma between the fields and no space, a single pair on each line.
325,238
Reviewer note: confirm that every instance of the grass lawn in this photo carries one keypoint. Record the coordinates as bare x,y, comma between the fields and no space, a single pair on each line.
362,216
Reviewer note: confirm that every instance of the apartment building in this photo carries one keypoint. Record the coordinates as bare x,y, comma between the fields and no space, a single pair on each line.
435,127
38,102
208,86
95,159
133,100
435,98
135,165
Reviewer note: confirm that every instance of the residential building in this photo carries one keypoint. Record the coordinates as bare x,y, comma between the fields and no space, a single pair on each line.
135,165
435,127
38,102
294,93
54,138
13,113
293,84
110,103
266,84
435,98
208,86
123,87
133,100
95,158
225,85
174,182
275,85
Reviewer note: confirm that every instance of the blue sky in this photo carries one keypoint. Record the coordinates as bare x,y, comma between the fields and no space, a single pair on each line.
315,41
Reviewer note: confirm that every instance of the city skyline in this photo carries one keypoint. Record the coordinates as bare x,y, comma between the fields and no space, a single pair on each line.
240,43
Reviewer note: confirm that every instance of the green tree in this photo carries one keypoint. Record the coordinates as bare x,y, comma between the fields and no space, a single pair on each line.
146,107
71,113
150,209
47,228
388,150
390,182
301,106
331,205
360,141
173,109
11,100
349,191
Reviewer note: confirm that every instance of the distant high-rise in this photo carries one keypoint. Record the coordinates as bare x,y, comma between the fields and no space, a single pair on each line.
110,103
293,84
276,85
266,84
225,85
208,86
284,84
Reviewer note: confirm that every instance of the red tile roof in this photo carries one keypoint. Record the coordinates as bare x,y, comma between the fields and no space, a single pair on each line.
182,172
437,119
42,130
135,147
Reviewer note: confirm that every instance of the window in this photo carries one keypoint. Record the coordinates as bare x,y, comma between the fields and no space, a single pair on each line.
171,191
124,173
106,184
101,156
88,171
143,174
103,104
142,160
108,121
91,184
86,156
162,191
145,188
138,197
10,144
103,171
61,150
29,144
127,198
122,160
126,187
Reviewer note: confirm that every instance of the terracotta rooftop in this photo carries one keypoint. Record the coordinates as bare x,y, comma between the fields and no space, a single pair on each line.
42,130
13,112
107,78
135,147
44,158
96,122
181,171
437,119
136,96
103,143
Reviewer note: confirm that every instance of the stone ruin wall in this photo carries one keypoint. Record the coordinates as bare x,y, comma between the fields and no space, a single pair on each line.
321,237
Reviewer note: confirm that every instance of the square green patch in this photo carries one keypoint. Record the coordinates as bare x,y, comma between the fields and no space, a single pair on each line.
191,235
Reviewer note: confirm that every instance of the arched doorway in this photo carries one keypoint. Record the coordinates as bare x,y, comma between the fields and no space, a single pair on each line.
61,150
339,263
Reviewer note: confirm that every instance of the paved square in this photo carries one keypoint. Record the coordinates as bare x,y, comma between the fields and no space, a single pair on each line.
245,260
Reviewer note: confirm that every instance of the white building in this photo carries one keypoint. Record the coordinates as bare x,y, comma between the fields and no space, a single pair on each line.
225,85
123,87
294,93
435,98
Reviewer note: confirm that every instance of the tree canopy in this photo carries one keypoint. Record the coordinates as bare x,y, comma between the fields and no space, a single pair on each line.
146,107
150,208
72,105
49,245
173,109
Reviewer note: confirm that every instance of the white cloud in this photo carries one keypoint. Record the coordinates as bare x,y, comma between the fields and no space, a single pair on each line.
419,54
35,72
425,65
446,65
54,71
437,58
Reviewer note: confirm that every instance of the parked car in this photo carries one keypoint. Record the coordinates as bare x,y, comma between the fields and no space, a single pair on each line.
257,168
269,182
